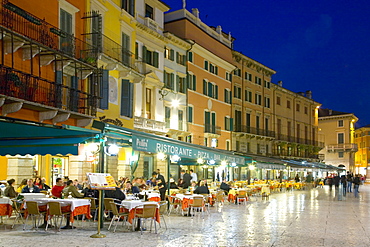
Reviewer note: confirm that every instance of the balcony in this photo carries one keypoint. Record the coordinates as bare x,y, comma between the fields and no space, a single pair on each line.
252,130
151,24
149,125
344,147
23,87
16,20
212,129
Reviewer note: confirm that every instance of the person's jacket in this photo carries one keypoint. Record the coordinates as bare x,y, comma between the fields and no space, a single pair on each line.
10,192
116,194
201,190
71,189
26,189
186,179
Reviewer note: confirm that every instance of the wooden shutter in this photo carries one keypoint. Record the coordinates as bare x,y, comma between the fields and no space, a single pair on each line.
104,90
126,98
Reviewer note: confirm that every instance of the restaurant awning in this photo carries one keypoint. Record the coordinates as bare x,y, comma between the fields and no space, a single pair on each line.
22,137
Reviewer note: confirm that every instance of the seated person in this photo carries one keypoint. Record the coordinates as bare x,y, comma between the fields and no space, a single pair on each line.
9,190
70,189
43,186
131,189
115,194
224,186
173,184
77,184
180,183
30,187
202,189
58,188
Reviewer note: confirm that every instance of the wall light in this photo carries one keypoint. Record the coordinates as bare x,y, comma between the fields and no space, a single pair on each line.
212,162
252,167
224,163
161,156
175,103
175,158
200,161
112,149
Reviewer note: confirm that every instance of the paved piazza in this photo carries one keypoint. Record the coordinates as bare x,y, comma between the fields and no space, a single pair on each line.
317,217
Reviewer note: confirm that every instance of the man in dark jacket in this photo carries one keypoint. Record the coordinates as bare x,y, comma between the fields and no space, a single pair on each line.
161,183
186,178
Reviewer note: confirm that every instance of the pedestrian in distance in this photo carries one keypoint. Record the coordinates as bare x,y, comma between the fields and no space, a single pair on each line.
356,182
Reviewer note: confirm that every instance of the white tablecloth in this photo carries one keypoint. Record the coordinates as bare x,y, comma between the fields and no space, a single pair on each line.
135,203
74,202
5,200
150,194
182,196
30,196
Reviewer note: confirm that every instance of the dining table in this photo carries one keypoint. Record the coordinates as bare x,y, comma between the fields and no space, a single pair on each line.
74,205
152,195
136,206
6,208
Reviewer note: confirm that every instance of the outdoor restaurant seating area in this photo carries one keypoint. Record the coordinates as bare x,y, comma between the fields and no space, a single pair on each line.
42,212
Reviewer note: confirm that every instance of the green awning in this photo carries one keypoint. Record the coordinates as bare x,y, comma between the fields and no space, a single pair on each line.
31,138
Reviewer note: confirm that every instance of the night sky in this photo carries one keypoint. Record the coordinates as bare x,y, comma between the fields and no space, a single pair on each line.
322,46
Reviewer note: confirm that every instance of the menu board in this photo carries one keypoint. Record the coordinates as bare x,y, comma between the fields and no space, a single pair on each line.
101,181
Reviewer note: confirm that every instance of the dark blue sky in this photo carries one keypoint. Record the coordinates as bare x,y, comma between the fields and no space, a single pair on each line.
322,46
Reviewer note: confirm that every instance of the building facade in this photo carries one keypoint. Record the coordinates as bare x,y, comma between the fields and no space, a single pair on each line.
362,158
338,129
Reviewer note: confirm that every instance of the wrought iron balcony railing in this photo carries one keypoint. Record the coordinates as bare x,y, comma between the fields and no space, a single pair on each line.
212,129
38,30
252,130
24,86
343,147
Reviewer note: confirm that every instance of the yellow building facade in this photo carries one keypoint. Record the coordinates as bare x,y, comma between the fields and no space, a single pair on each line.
362,156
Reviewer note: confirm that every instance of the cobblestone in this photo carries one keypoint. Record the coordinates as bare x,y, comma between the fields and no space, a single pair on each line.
317,217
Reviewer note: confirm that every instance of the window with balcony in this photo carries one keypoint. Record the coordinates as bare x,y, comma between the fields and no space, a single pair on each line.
129,6
126,54
238,120
149,11
210,122
340,138
66,41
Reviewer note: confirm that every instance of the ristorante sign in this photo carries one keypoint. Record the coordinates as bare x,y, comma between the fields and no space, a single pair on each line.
146,144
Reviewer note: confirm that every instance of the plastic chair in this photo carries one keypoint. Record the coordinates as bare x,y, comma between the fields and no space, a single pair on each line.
107,206
148,213
55,211
33,211
198,204
220,198
116,215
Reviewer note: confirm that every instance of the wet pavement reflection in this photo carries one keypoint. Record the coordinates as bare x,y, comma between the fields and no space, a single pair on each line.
316,217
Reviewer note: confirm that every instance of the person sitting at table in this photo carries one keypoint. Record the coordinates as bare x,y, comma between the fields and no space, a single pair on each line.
173,184
37,181
131,189
58,188
9,190
202,189
43,186
77,184
70,189
30,188
224,186
115,194
21,186
180,183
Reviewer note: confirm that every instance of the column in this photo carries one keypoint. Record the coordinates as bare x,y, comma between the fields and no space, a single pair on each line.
20,167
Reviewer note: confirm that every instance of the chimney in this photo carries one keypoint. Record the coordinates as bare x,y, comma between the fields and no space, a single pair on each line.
219,29
330,112
309,94
195,12
301,93
280,83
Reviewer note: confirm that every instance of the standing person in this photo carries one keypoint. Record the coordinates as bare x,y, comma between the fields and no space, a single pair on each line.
343,180
297,178
336,181
349,181
356,182
58,188
9,190
194,176
161,183
30,188
187,179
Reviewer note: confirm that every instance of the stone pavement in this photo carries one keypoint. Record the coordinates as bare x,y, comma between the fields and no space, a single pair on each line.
317,217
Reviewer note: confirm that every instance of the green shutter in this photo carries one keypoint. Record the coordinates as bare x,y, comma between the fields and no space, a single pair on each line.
126,98
205,87
231,124
207,118
172,55
104,92
190,114
144,55
177,88
172,81
194,83
190,54
206,65
210,89
216,92
156,59
188,80
226,122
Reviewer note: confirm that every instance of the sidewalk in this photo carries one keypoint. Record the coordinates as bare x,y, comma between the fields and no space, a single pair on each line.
300,218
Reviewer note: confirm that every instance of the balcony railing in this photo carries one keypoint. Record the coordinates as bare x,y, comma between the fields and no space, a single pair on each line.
20,21
24,86
344,147
252,130
212,129
149,124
